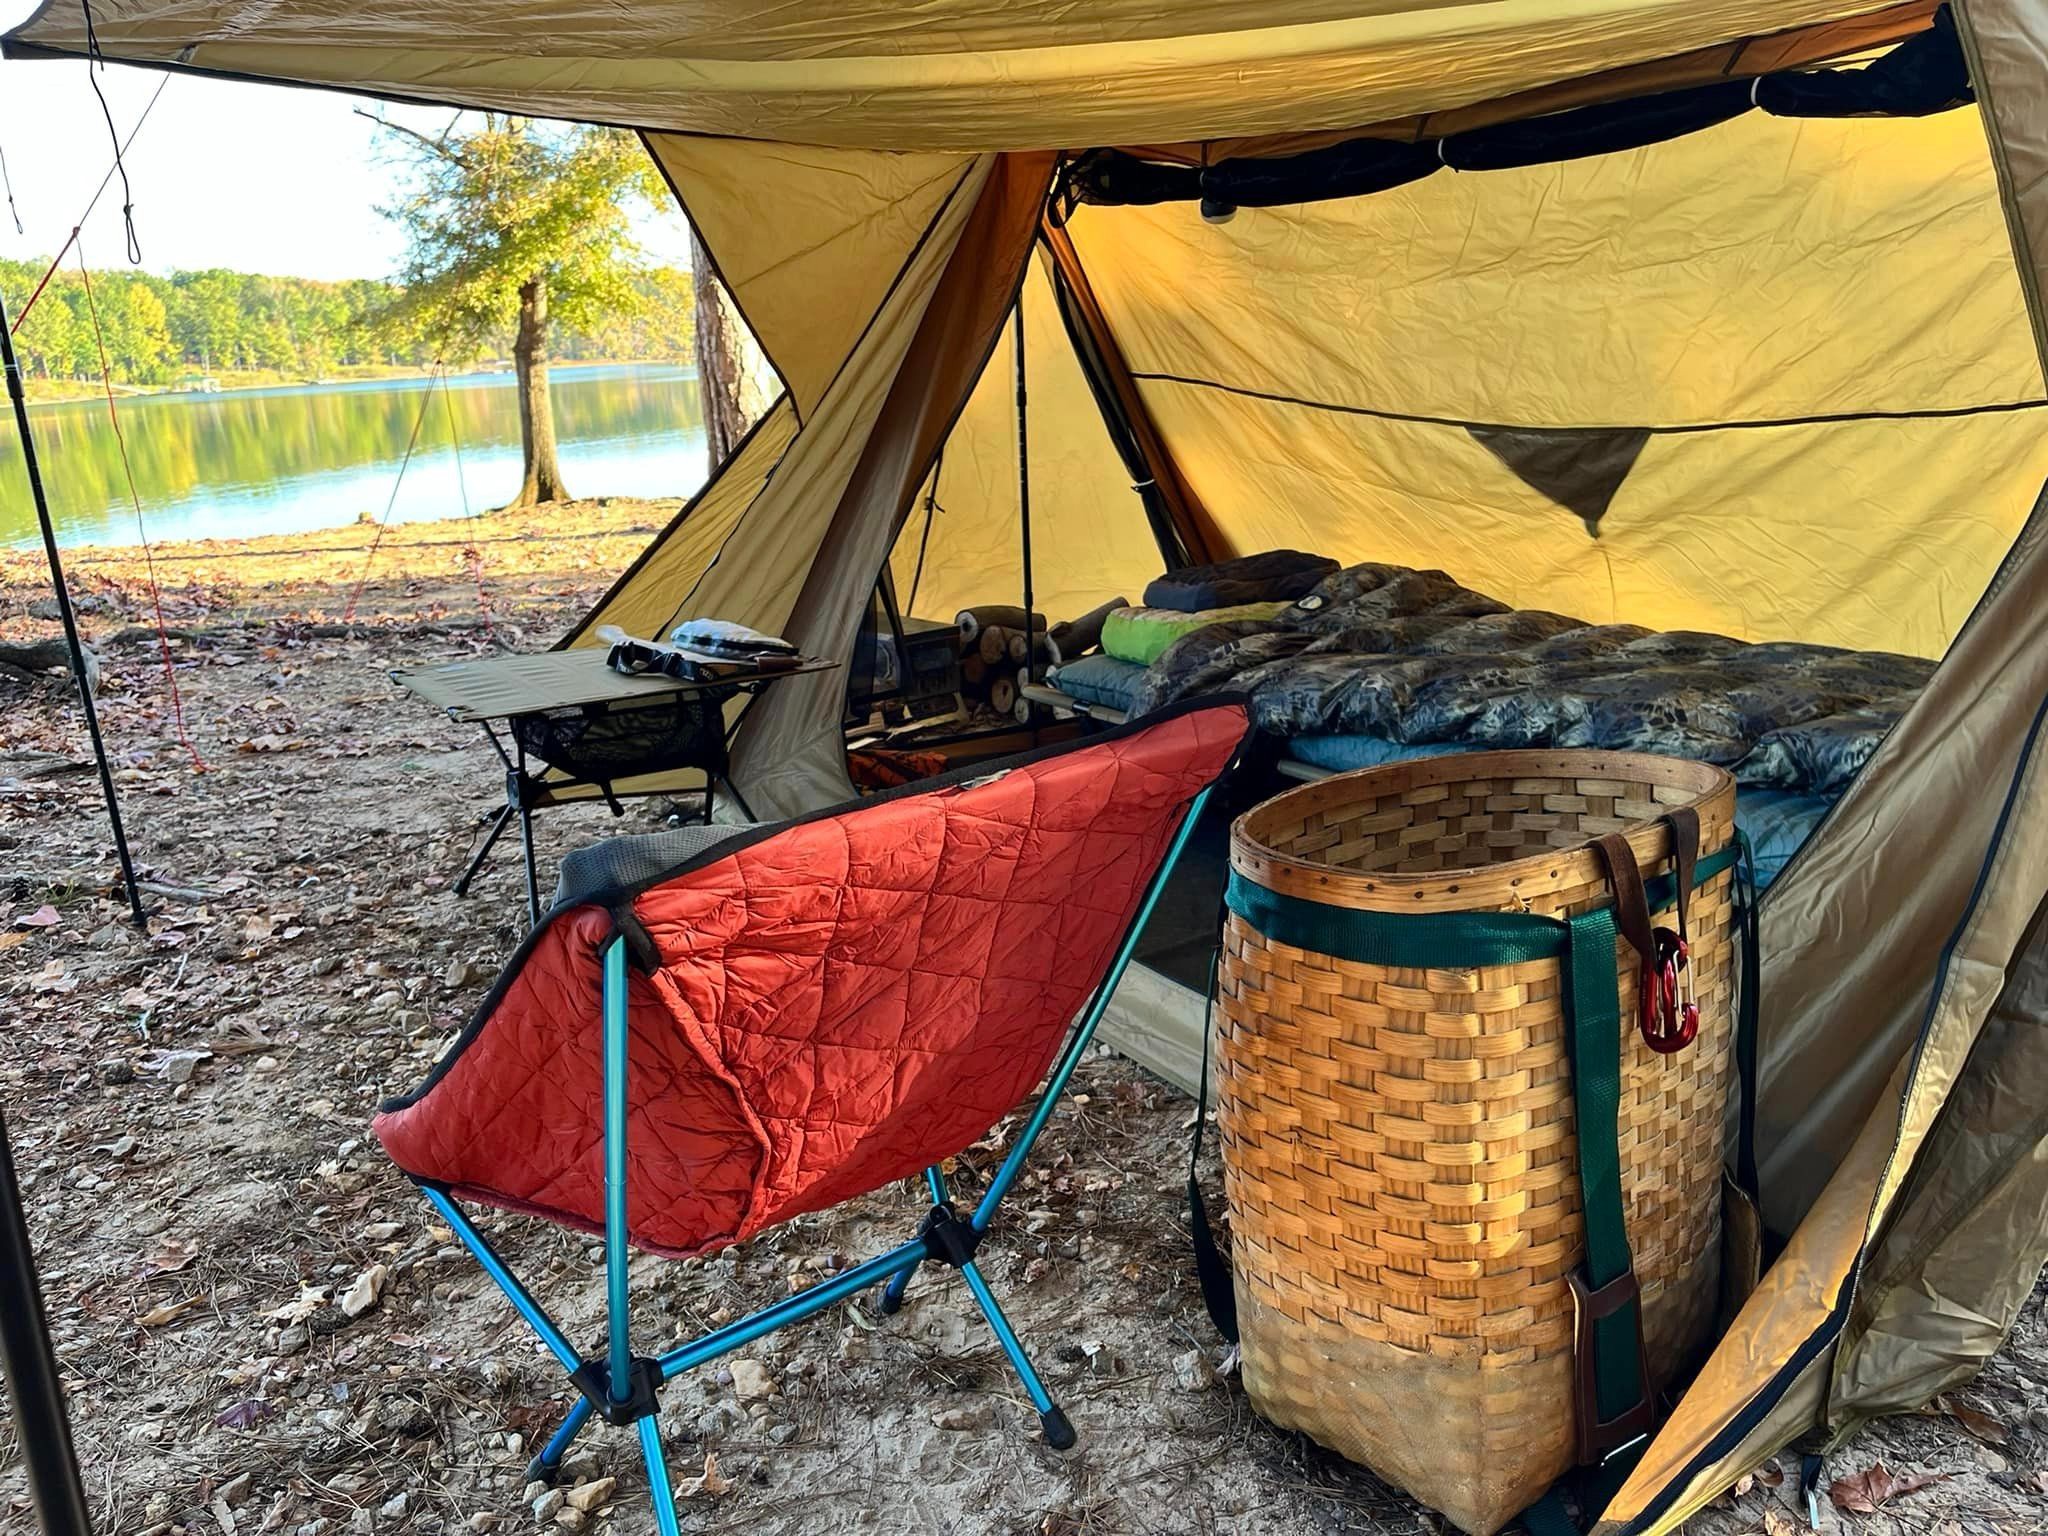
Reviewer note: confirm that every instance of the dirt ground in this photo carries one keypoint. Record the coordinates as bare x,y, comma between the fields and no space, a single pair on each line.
264,1328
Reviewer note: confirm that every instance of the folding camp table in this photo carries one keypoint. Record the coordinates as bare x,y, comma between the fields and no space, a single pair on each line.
505,694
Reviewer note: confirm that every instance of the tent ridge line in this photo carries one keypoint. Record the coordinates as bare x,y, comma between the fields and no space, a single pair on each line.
1994,408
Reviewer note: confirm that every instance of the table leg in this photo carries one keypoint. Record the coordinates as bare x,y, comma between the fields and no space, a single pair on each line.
503,820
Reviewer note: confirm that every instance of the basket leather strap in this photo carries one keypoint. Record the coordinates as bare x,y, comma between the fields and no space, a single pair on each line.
1631,901
1685,859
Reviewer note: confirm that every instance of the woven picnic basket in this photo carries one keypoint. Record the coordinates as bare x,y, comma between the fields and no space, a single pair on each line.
1415,959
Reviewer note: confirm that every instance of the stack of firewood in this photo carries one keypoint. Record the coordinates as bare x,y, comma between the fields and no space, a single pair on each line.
1002,650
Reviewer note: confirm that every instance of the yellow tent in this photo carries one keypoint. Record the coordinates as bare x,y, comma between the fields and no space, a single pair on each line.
1779,376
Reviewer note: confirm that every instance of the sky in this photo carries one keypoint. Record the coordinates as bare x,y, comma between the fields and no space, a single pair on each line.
225,174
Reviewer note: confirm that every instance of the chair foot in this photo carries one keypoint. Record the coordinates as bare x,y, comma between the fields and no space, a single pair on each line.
1059,1433
546,1466
893,1292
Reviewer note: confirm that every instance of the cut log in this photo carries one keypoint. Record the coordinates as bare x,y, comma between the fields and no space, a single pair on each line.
1020,647
973,621
993,643
1002,695
1076,637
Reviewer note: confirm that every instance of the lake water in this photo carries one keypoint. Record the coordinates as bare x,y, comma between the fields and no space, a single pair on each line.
262,461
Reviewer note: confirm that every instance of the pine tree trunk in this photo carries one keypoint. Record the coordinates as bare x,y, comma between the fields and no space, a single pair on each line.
720,368
542,480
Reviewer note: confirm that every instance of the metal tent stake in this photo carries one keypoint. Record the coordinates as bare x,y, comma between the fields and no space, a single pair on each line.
64,612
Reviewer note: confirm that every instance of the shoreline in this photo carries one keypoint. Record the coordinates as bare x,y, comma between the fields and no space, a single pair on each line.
508,565
254,380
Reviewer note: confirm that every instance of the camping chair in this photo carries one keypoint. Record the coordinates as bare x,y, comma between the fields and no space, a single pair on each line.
714,1030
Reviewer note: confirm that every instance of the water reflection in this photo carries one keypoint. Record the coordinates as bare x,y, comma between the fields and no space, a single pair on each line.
281,460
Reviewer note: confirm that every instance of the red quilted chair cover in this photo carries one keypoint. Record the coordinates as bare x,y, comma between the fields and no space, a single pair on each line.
838,1001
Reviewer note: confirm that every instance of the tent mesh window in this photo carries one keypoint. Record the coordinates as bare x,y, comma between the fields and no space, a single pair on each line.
599,745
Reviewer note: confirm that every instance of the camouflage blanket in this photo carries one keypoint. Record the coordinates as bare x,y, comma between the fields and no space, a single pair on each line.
1411,656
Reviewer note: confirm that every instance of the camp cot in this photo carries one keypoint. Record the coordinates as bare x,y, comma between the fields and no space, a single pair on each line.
1722,316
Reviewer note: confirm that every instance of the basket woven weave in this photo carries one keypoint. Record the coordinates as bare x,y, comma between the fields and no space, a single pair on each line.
1398,1143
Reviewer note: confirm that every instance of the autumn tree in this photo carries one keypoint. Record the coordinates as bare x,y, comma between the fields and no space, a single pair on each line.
512,222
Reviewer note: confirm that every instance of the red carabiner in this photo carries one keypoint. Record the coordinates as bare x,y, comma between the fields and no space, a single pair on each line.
1670,1016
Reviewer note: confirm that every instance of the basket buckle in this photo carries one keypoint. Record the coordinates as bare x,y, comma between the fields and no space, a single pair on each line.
1601,1440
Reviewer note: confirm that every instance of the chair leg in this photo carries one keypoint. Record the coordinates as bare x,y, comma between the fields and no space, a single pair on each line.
547,1465
659,1489
893,1291
1059,1433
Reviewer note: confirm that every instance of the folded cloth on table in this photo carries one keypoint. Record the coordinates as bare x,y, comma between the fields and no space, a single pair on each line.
1143,634
1277,576
730,642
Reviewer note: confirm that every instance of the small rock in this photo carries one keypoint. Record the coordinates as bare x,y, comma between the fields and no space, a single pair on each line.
179,1066
783,1433
570,1519
1194,1372
981,1415
235,1491
548,1505
115,1071
121,1147
2037,1420
363,1521
326,965
752,1381
404,1416
292,1338
590,1495
461,973
483,1520
368,1287
394,1508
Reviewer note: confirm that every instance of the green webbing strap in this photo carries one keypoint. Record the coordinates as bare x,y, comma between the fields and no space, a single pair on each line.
1593,1022
1429,940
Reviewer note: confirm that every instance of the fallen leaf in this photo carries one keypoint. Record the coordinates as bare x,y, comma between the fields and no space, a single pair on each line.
175,1255
171,1311
1779,1522
1973,1420
1870,1490
44,916
708,1484
364,1294
52,978
1770,1474
246,1414
309,1301
10,939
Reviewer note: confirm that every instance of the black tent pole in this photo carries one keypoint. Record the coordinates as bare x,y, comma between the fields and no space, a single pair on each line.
78,673
1024,498
33,1389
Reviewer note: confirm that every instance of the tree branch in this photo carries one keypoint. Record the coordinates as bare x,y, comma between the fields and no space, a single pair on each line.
437,147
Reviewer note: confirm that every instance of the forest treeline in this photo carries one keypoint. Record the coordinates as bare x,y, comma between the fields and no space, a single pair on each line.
159,330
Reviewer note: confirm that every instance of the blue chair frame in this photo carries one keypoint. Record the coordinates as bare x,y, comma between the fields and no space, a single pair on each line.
624,1389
